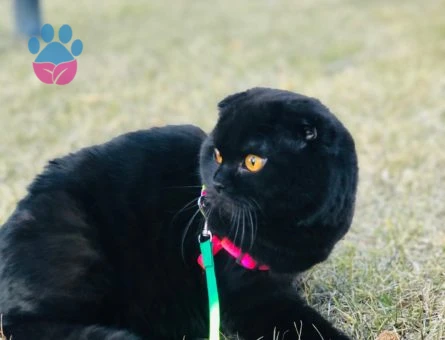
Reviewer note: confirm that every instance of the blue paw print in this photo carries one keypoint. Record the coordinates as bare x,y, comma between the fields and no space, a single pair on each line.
55,52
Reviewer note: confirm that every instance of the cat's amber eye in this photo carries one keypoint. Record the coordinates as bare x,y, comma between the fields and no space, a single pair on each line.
218,157
254,163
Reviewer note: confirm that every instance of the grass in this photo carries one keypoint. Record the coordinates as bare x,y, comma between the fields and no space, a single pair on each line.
379,65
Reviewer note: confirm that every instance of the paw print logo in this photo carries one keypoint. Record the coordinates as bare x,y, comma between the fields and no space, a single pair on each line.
55,64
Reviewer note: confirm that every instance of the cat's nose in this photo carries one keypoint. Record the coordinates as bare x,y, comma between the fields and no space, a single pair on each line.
218,186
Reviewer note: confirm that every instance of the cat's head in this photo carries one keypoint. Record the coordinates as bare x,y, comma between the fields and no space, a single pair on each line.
281,177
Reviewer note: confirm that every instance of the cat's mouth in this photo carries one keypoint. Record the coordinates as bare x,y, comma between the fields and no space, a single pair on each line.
236,219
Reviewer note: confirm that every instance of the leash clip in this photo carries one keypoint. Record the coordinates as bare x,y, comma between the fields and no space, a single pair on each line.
206,233
201,205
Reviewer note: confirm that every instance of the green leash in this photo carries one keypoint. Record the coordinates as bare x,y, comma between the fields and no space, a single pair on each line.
209,266
212,288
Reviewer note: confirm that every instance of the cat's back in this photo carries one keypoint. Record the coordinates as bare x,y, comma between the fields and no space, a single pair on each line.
123,159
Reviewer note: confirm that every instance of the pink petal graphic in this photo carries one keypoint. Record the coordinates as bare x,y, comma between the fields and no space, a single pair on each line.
64,73
44,71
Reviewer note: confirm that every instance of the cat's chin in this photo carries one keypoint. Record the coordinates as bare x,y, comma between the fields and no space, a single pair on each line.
222,219
220,226
280,259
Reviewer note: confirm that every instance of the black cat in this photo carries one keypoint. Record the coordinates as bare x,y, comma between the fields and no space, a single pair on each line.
105,245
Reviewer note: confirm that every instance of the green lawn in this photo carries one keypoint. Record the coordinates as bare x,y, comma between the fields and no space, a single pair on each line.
379,65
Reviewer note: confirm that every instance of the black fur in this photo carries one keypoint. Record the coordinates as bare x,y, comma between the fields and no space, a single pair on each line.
104,245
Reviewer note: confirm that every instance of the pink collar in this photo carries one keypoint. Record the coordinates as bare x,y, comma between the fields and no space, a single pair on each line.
243,259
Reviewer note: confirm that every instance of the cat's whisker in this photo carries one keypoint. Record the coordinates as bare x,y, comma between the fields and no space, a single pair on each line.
255,215
236,225
188,206
183,187
239,222
242,226
232,216
210,213
257,205
247,226
248,223
255,218
184,234
252,229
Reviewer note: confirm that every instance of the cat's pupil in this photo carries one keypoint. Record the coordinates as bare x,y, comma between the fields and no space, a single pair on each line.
252,160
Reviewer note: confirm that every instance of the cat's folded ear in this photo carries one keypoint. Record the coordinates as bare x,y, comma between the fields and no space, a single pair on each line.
230,100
